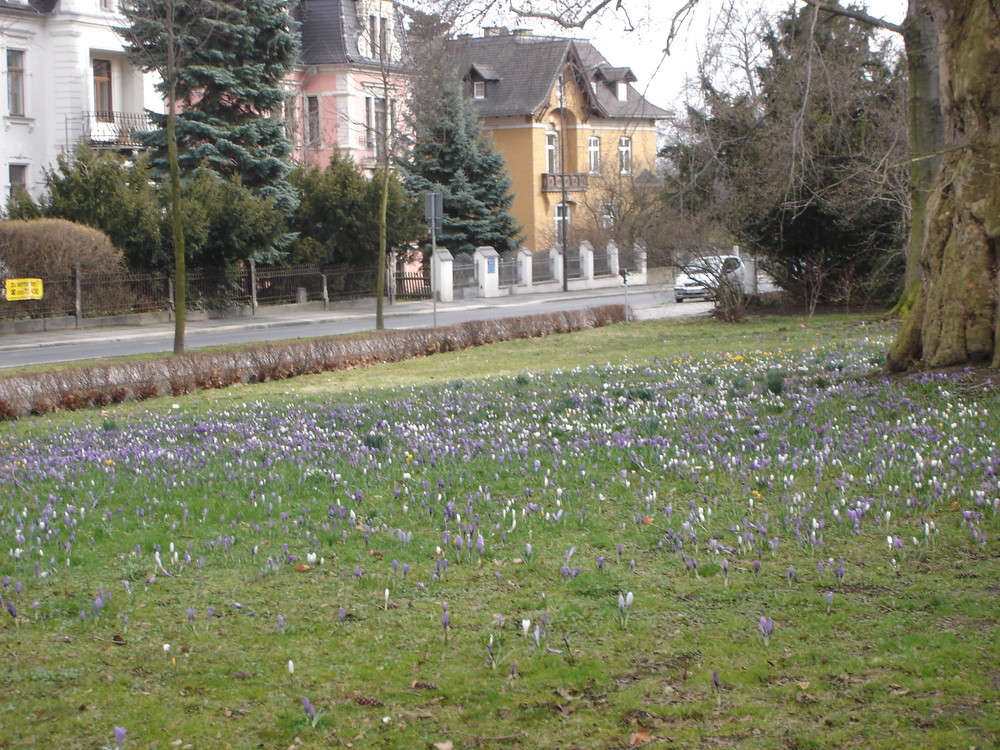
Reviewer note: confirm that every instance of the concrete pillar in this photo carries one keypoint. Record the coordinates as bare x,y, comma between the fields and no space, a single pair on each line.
556,259
524,270
613,266
442,274
587,264
487,271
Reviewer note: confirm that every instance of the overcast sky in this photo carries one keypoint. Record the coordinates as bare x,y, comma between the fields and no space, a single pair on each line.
662,77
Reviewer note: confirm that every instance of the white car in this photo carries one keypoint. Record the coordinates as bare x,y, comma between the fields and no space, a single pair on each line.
701,278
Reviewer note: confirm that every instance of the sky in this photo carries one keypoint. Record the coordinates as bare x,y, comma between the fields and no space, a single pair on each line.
662,78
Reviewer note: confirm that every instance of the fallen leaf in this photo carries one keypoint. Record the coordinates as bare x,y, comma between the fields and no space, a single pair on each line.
804,685
647,520
301,568
446,745
640,737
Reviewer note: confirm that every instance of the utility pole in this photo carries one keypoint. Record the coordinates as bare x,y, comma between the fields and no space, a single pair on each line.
433,211
564,213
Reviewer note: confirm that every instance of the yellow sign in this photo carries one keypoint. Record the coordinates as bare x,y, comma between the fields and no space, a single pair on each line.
21,289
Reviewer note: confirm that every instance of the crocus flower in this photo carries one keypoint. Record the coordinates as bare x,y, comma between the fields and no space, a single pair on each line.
120,735
307,706
766,625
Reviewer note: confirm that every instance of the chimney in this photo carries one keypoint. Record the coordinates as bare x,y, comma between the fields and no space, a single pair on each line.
522,32
491,31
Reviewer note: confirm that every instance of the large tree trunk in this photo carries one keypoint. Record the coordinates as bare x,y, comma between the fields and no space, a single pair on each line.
956,318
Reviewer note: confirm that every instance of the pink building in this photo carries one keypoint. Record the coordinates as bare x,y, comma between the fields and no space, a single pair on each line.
348,81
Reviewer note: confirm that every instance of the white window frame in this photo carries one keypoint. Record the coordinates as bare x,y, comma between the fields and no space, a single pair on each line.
17,105
314,126
12,186
625,154
594,154
563,214
607,216
552,152
622,91
479,89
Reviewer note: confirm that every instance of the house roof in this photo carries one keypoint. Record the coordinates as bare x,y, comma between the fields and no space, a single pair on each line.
330,30
528,66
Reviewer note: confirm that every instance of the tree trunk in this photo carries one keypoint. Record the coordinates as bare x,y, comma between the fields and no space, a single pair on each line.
955,318
926,135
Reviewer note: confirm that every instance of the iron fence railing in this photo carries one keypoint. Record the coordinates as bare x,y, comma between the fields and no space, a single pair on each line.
541,266
463,270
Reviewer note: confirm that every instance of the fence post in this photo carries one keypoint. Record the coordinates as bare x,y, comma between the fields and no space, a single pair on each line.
587,264
326,293
78,301
525,271
253,286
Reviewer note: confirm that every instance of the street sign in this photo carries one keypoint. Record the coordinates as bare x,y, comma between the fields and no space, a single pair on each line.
22,289
433,209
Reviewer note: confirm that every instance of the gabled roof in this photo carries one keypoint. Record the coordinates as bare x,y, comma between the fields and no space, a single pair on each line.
528,66
330,30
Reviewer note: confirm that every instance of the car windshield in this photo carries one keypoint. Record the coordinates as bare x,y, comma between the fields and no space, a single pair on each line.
703,265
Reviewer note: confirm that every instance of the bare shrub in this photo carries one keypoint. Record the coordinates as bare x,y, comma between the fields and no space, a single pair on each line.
115,383
50,248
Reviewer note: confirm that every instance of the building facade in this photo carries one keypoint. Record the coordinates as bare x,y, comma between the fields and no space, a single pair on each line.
575,132
347,90
65,79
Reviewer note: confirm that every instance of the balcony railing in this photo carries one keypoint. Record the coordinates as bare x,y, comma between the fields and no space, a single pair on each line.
114,129
553,182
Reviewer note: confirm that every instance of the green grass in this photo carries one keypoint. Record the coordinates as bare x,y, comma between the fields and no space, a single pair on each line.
906,654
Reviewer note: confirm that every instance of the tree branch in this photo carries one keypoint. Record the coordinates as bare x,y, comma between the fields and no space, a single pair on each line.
558,18
857,15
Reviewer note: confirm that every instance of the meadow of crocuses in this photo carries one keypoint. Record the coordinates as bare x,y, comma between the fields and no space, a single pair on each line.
747,548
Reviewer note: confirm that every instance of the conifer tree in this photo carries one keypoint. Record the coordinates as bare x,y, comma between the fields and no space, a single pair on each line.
229,83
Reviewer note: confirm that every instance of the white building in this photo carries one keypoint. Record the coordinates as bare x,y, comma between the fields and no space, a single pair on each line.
64,78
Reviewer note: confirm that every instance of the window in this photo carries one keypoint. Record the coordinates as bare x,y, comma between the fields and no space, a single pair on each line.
625,155
108,5
594,152
479,89
290,110
17,175
373,35
607,216
15,83
102,91
562,218
378,113
383,38
552,153
622,91
312,121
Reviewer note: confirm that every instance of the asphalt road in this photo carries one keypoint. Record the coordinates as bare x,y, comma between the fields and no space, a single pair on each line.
291,322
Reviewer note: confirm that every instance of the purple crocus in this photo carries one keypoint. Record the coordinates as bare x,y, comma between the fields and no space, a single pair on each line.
120,735
307,706
766,625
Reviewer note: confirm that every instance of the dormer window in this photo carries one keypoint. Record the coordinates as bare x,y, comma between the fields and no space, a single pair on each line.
622,90
479,89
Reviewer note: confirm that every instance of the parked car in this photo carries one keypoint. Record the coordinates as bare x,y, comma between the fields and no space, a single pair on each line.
702,277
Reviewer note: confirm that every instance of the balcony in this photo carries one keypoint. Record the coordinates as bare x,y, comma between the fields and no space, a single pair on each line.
114,129
553,182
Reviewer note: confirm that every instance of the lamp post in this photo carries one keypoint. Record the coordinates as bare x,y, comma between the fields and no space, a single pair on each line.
564,213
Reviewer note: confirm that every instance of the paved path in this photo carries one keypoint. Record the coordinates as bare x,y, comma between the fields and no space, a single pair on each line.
292,321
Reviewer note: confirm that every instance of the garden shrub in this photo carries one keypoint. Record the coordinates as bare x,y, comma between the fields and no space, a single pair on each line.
51,248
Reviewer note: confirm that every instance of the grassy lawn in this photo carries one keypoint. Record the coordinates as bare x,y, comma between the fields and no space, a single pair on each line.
554,543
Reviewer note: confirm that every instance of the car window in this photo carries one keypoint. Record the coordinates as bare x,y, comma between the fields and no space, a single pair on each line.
730,264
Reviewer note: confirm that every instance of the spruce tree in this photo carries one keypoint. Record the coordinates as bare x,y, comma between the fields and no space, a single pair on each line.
448,153
232,61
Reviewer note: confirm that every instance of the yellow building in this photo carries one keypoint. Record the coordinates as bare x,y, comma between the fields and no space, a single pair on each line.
575,132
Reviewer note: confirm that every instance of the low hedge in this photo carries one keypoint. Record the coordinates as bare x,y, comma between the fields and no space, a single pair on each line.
100,385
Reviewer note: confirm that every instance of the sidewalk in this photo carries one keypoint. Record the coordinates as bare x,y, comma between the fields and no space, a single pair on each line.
338,312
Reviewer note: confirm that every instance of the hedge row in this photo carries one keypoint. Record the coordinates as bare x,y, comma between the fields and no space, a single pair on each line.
79,388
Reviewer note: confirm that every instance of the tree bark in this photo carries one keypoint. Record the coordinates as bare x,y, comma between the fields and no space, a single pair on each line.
955,318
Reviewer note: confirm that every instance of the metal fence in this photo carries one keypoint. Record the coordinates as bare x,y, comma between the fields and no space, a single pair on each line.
463,269
92,295
602,261
574,268
541,266
508,269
